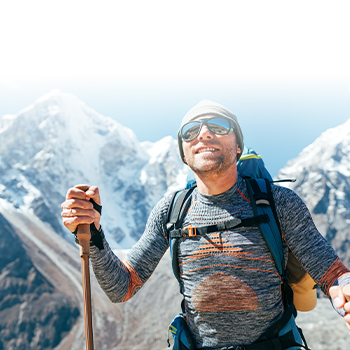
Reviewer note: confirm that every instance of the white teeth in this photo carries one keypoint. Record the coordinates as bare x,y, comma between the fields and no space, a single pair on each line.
207,150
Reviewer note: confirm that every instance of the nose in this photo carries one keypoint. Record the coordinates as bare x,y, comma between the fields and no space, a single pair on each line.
205,133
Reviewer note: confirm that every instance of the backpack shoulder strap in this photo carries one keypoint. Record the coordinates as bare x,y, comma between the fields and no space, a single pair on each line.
176,213
263,204
175,206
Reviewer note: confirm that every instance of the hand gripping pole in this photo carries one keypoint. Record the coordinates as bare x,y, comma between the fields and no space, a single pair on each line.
84,237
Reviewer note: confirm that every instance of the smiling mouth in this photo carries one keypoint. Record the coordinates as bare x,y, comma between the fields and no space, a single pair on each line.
207,149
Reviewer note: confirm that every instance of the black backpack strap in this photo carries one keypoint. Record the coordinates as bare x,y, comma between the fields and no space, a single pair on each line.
263,204
178,207
175,213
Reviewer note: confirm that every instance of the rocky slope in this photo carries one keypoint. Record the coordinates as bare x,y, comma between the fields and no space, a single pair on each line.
42,302
24,290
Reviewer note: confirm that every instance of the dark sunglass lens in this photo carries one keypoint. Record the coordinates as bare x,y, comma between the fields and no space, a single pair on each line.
190,131
219,126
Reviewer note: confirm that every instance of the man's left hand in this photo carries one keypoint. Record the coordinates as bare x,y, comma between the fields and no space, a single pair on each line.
341,298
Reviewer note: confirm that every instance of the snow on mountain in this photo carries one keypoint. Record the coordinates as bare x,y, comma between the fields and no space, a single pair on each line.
59,142
322,171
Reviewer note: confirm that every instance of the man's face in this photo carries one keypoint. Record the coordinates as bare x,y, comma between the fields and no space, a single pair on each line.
211,153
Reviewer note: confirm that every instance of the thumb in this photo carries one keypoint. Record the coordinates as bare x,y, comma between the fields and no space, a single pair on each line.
336,293
94,193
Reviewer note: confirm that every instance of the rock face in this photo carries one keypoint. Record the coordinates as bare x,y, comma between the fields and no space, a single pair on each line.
322,173
34,314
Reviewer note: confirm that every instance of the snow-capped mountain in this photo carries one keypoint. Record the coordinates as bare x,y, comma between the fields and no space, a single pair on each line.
54,144
59,142
322,173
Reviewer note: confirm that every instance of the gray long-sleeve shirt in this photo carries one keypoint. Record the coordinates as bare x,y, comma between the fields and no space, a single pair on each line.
230,282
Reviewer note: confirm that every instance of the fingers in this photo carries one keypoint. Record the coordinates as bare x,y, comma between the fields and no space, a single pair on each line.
346,292
76,193
347,320
74,217
337,296
340,297
77,208
73,213
75,203
91,192
94,193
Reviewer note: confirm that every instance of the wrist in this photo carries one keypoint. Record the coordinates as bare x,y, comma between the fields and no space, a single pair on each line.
97,236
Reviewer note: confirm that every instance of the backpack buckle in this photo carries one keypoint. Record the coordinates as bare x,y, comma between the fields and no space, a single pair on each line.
192,231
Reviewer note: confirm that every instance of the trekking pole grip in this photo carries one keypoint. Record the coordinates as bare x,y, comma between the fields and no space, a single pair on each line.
83,233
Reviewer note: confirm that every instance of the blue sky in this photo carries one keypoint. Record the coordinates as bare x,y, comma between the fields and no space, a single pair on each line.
282,68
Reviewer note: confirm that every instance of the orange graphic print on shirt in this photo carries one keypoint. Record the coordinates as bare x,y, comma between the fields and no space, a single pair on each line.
215,244
221,292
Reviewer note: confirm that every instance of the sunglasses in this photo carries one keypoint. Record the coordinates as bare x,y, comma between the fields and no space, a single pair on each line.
217,125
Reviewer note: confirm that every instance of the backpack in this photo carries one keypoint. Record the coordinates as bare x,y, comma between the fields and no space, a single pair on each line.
251,167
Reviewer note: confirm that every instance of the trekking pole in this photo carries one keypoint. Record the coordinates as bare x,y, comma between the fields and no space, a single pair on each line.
84,237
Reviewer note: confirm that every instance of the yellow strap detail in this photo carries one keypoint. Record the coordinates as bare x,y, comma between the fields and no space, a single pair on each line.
250,156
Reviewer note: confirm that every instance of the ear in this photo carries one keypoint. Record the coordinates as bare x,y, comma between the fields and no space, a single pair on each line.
239,150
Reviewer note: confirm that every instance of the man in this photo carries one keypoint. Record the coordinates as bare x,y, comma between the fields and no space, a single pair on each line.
231,286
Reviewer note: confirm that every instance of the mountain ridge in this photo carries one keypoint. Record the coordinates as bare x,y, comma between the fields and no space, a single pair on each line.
59,142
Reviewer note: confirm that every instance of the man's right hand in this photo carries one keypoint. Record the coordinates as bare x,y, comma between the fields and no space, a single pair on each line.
77,208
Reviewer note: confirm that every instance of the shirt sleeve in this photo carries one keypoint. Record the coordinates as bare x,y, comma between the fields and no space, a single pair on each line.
121,280
299,232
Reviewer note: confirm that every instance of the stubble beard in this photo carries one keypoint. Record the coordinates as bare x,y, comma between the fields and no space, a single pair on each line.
218,165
